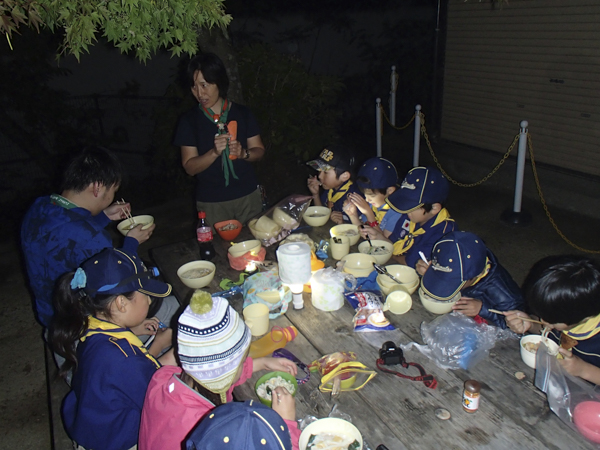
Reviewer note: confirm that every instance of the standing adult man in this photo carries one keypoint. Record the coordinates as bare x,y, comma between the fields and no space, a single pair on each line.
61,231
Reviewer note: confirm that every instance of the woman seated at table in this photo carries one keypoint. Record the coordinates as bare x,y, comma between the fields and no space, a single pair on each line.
564,292
218,156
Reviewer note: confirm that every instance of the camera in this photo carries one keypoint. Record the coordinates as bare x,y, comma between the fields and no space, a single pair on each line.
390,354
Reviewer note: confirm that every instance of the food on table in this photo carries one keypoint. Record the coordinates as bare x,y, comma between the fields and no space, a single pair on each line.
317,215
196,273
265,389
377,251
331,441
229,227
531,346
135,224
347,233
567,342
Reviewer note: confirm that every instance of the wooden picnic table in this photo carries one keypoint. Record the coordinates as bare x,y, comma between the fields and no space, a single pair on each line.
389,410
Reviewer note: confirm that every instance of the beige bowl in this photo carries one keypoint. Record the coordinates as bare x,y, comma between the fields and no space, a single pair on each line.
316,216
408,277
330,425
358,264
529,357
125,225
241,248
437,306
264,229
364,247
283,219
200,282
340,230
387,290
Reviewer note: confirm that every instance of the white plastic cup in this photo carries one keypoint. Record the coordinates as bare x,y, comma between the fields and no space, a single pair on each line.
339,250
256,317
398,302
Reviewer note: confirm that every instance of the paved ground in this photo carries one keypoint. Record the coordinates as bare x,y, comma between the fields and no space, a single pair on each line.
24,418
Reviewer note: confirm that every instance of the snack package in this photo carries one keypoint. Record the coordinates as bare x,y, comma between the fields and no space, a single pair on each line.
341,372
277,222
369,311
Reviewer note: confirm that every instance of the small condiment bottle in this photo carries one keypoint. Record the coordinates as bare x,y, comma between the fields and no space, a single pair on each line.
471,396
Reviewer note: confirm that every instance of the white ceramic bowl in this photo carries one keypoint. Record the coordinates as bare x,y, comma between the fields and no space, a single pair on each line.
527,356
241,248
358,264
340,230
364,247
408,277
264,229
283,219
398,302
437,306
197,283
125,225
316,216
331,425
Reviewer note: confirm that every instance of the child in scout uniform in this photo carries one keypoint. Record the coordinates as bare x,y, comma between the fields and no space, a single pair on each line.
377,179
563,292
461,262
249,425
213,343
335,165
424,220
96,309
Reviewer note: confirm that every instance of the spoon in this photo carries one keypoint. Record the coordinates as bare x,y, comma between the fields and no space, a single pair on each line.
368,238
383,271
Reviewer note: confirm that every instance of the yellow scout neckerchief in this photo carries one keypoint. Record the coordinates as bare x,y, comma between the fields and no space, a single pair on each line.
332,198
488,266
403,245
97,326
380,213
586,330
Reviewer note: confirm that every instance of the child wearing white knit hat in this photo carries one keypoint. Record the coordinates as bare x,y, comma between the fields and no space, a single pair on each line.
213,343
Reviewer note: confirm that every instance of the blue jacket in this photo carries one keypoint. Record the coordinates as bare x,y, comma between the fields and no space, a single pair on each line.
497,290
104,408
339,205
55,241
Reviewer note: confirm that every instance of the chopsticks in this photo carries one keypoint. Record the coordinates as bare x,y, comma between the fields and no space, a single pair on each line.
526,319
127,213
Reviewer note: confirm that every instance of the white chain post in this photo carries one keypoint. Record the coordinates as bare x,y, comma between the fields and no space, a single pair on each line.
393,96
378,125
417,138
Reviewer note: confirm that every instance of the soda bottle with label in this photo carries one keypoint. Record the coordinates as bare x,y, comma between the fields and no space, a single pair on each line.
205,238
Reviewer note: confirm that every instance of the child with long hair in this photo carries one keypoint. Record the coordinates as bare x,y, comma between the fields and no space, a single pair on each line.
96,308
213,344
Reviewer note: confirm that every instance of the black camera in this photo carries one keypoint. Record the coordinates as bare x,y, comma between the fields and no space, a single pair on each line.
390,354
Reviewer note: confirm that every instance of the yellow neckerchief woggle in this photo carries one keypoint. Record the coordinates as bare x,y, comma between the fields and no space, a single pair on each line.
586,330
332,198
97,326
401,246
380,213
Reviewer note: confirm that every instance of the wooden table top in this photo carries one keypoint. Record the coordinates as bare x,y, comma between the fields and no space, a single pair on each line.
389,410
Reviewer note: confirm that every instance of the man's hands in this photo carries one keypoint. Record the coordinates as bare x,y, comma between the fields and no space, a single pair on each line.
118,211
141,235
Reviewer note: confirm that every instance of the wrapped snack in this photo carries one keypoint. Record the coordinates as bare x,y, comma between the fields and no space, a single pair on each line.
369,311
341,372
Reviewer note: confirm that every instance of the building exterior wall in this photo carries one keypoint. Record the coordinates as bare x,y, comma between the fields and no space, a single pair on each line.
534,60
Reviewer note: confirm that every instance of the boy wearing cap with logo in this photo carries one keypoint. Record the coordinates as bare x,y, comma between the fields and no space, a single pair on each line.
377,179
335,165
213,344
461,263
424,220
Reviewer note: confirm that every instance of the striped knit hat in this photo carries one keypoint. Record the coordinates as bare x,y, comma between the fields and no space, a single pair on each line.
212,345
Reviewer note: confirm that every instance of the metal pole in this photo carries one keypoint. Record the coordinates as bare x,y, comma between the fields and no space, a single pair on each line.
378,130
520,167
393,88
417,138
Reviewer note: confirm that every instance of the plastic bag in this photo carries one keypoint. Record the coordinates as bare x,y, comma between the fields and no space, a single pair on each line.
455,341
369,311
277,222
341,372
570,398
267,282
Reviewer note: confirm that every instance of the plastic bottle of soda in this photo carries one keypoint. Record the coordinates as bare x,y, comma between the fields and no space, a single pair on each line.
205,238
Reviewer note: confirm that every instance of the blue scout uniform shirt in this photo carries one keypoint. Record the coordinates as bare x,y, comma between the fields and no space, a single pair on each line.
339,204
390,219
496,290
56,240
423,242
588,341
104,407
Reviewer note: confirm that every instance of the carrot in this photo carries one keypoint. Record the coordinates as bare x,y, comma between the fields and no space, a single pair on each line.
232,130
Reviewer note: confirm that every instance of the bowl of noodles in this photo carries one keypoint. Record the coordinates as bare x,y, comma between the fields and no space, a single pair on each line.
197,274
316,216
346,229
381,250
529,346
330,433
266,384
128,224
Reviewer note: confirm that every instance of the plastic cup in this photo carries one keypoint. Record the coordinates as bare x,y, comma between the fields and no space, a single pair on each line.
341,249
256,317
